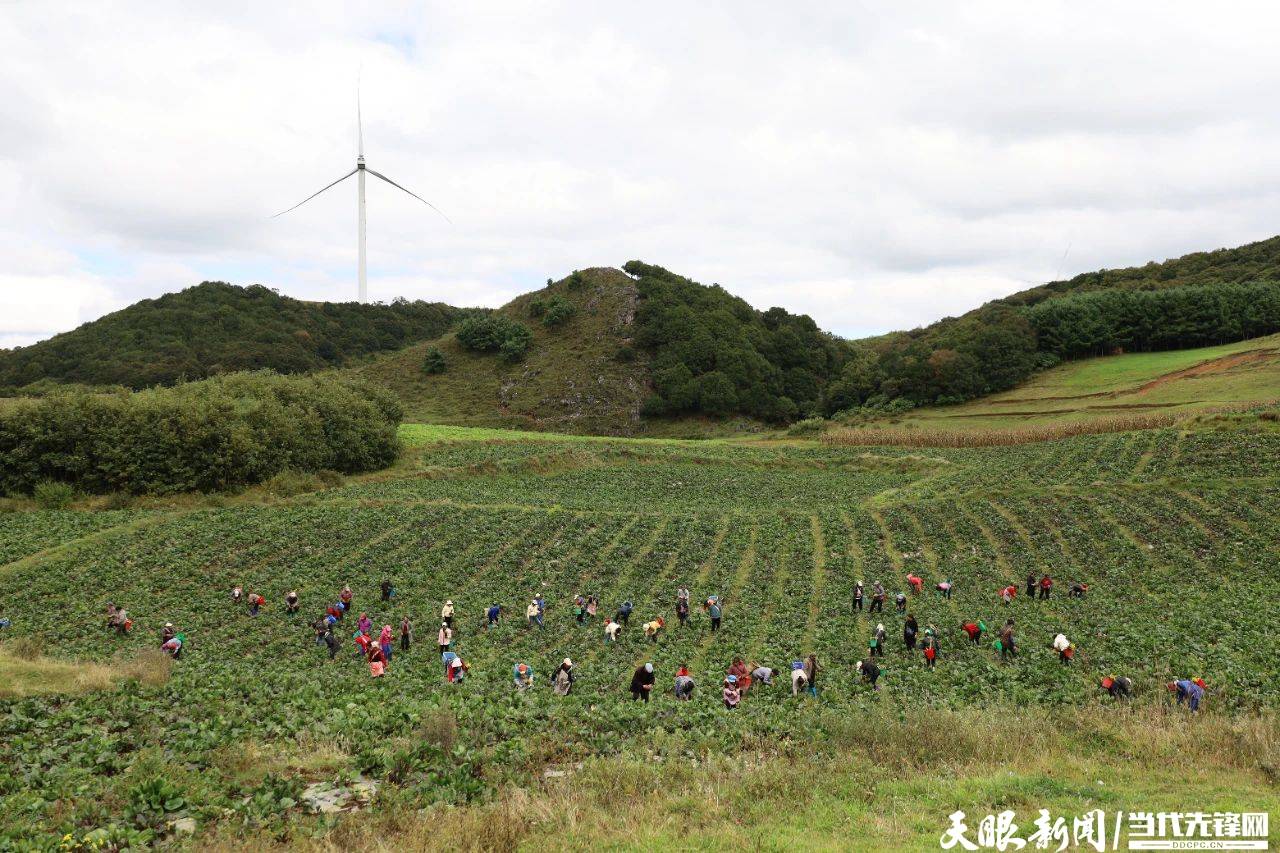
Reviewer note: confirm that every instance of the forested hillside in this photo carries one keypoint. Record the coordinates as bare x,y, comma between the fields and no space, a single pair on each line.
1258,261
1201,299
215,328
715,354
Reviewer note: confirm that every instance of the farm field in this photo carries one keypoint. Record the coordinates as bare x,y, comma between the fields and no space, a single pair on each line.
1174,530
1173,382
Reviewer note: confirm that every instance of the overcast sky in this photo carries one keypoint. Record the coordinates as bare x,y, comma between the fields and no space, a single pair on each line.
875,165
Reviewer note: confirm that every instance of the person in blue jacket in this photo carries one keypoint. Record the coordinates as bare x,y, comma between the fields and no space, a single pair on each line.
1189,691
623,616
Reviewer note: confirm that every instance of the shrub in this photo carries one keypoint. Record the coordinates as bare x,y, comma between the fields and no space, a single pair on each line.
211,435
517,344
808,426
434,362
559,311
50,494
1046,360
554,311
625,354
495,333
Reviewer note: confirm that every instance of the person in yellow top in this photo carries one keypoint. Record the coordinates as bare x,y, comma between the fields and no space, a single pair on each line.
446,613
651,629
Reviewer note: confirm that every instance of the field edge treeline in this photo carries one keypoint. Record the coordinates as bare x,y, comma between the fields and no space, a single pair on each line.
212,435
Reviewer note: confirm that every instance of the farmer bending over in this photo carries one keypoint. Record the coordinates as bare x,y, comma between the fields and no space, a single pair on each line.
642,682
869,672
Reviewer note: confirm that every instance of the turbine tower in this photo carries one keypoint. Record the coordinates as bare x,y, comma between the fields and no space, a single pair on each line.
359,172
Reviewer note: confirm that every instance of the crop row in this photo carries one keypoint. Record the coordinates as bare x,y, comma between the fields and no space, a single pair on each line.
1180,583
26,533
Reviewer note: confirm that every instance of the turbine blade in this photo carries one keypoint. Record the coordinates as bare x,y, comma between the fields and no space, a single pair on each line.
415,195
313,195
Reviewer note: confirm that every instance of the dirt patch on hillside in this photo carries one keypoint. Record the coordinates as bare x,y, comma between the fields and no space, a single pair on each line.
1206,368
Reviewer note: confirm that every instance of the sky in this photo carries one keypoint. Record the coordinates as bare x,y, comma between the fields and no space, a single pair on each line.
874,165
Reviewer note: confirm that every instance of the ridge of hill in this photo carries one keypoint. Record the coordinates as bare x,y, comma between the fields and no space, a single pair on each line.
215,327
1258,261
582,375
647,351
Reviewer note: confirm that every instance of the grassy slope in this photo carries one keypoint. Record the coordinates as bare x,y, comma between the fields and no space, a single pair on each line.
570,380
1098,388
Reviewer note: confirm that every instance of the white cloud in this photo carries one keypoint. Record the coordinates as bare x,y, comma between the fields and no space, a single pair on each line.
877,166
33,304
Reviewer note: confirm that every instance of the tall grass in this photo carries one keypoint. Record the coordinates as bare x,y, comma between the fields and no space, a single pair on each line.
25,671
638,797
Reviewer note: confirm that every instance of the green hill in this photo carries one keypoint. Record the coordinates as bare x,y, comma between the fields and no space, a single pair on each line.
1201,299
1096,394
651,354
583,375
216,327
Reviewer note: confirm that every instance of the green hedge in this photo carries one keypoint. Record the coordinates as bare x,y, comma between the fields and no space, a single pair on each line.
216,434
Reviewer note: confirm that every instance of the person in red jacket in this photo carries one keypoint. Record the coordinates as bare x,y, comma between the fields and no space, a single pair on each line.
917,583
1007,594
974,630
1046,585
740,670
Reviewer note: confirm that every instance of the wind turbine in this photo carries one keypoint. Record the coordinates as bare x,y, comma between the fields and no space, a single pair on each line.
359,171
